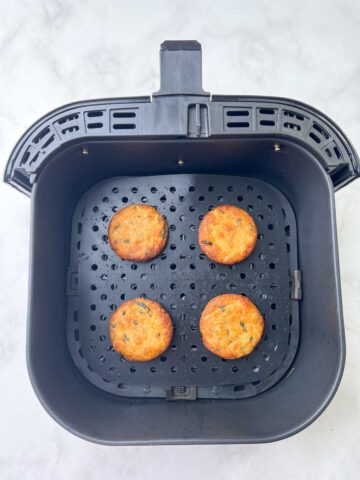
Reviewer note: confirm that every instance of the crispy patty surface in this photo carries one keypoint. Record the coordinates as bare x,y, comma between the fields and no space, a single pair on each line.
138,233
140,329
231,326
227,234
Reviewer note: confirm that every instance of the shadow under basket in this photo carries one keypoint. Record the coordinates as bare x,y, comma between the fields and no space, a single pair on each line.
180,152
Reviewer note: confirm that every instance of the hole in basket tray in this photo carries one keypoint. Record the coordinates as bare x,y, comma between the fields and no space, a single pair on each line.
239,388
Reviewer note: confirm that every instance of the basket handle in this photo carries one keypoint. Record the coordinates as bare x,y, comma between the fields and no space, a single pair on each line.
181,68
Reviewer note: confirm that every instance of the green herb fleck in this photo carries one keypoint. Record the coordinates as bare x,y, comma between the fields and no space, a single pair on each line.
223,308
206,242
125,338
117,227
143,305
238,221
113,325
126,240
124,312
243,326
136,322
164,232
251,339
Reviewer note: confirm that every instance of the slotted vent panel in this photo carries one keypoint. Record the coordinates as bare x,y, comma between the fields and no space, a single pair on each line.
318,134
69,125
124,121
293,122
266,118
37,149
237,119
96,121
333,153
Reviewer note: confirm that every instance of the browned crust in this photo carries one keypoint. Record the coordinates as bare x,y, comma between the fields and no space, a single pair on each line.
231,326
140,330
227,234
138,233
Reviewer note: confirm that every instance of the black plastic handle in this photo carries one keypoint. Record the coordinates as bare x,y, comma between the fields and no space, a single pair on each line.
181,68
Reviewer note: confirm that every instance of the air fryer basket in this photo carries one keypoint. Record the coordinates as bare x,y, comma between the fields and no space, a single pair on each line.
184,152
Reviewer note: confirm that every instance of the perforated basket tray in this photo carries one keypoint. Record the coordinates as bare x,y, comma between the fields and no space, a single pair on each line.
183,280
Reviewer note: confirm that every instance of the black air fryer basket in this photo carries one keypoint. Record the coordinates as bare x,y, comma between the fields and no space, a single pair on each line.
184,152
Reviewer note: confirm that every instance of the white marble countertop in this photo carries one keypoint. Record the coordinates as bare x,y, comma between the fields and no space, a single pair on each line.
57,51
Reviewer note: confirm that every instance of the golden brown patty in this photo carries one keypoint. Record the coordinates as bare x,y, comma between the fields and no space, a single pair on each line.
138,233
227,234
140,329
231,326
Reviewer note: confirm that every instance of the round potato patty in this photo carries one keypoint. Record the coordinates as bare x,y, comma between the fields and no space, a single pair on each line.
140,329
138,233
227,234
231,326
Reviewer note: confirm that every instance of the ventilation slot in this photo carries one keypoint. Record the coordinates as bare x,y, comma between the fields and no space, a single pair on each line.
321,131
266,111
297,116
30,156
46,136
69,124
238,124
124,115
337,152
124,120
265,118
68,118
95,113
267,123
292,126
68,130
315,137
49,141
124,126
237,113
318,134
237,119
25,158
332,151
35,157
93,120
293,122
41,135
